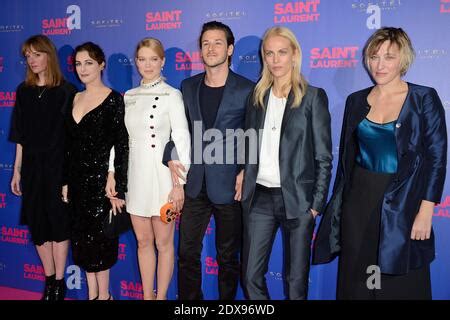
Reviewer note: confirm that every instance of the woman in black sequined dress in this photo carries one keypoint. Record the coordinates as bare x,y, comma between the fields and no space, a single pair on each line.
95,125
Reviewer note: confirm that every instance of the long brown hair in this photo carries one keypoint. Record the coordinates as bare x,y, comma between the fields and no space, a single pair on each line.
43,44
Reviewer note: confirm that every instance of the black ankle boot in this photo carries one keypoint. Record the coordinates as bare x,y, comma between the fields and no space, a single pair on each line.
48,290
59,290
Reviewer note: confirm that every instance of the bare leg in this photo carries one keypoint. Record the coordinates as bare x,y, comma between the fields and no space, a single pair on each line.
92,285
146,253
103,284
60,250
164,243
45,253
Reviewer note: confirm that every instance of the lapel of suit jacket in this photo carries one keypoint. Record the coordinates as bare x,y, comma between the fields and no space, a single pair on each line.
287,113
361,108
196,100
228,95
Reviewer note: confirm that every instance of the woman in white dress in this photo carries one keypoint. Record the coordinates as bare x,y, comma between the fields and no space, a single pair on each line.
154,112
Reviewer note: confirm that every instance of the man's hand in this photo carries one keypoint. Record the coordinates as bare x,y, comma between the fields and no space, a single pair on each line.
238,186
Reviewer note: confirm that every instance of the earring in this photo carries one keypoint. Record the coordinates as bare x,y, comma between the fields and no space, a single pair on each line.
162,68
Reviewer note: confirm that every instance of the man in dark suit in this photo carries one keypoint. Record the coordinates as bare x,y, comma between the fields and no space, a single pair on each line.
215,102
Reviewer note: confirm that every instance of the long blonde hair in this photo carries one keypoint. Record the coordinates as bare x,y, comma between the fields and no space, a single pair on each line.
298,83
43,44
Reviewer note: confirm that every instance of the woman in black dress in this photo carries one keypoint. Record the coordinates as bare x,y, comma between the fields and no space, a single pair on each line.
95,125
37,128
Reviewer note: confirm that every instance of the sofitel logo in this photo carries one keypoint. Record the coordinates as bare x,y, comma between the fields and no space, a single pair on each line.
363,5
431,53
106,23
226,15
5,166
298,11
63,26
249,58
11,28
275,275
126,61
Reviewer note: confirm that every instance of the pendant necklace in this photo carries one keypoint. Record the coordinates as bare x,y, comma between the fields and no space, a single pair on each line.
41,92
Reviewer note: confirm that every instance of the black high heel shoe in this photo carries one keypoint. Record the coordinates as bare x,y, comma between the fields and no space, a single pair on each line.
59,290
48,289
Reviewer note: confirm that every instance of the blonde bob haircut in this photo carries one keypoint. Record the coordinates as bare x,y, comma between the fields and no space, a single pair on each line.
297,83
54,75
395,36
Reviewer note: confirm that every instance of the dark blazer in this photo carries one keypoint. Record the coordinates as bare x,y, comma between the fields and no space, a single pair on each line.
220,176
421,139
305,153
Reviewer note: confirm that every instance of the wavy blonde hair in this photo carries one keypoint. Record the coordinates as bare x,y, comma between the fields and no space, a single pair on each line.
297,83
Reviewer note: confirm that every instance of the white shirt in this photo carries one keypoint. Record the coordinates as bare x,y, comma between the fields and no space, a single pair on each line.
269,164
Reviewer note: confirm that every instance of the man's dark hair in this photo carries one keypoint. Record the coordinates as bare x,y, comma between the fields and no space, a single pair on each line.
216,25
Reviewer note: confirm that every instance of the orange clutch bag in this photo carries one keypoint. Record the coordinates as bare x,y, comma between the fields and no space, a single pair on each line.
167,214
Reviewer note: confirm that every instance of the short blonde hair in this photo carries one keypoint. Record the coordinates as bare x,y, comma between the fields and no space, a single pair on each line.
153,44
395,36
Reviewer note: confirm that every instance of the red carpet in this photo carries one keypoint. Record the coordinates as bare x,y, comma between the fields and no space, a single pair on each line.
17,294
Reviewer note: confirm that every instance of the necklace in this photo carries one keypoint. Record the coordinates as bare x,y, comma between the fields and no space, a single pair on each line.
277,112
151,84
41,92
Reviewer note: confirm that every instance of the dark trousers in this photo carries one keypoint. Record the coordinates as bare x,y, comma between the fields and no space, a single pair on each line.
266,215
194,221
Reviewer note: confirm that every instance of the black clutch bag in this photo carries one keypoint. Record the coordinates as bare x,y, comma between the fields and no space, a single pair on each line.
115,225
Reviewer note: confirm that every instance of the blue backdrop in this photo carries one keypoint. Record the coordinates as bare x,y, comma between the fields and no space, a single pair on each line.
332,34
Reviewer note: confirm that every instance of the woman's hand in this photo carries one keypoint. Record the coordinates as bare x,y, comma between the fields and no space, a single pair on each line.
176,197
117,205
15,183
238,186
421,229
110,189
64,197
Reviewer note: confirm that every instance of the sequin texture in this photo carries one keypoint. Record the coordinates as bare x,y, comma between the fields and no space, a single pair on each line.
90,142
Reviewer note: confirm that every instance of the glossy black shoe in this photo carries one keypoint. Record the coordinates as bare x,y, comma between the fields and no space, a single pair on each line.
59,290
49,287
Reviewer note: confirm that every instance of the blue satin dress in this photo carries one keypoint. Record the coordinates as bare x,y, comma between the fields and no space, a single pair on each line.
376,164
377,147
